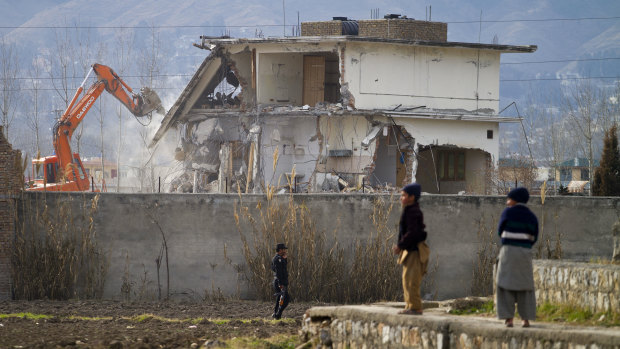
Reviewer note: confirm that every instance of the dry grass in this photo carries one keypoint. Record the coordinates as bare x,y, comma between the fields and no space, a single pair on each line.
486,256
320,267
55,254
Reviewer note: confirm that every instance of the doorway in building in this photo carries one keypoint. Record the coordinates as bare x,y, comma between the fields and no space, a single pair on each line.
314,80
392,159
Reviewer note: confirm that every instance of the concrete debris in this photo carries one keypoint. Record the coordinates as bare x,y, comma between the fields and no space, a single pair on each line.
207,130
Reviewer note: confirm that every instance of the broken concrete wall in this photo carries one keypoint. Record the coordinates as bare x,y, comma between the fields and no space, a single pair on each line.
464,134
241,65
297,145
343,153
439,78
199,153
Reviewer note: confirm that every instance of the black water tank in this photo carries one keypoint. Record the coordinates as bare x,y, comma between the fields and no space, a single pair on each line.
391,16
340,18
350,28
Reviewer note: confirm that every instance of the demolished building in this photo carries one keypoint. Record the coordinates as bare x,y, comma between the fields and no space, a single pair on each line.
348,105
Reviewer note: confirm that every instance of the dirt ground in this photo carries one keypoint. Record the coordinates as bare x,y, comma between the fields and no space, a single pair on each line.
112,324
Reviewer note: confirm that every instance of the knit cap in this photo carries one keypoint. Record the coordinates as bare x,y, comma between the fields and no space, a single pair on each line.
413,189
519,195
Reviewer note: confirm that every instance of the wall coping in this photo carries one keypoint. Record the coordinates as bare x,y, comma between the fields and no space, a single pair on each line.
440,321
561,263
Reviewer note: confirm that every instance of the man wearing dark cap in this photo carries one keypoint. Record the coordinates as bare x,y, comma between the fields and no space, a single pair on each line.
280,281
413,251
518,229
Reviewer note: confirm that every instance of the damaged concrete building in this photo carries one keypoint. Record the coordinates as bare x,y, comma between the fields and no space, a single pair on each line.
348,105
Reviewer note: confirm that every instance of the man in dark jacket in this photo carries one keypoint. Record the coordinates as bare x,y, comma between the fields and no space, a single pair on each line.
518,229
280,281
413,252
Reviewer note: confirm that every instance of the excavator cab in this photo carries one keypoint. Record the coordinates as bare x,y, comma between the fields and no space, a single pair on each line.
47,175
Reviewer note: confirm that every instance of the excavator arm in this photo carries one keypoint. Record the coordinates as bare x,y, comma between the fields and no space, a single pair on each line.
139,104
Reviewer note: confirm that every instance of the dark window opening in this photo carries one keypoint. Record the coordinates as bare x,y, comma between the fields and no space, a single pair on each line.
585,174
451,165
489,134
222,92
50,172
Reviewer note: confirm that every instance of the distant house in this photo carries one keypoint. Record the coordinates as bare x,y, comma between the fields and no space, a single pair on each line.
577,169
373,103
515,172
574,174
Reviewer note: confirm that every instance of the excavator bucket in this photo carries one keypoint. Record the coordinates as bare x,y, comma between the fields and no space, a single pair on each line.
151,101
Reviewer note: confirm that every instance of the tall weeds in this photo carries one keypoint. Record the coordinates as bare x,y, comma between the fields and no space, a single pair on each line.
486,257
55,254
320,267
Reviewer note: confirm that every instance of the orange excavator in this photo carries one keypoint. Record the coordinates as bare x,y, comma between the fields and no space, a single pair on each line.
64,171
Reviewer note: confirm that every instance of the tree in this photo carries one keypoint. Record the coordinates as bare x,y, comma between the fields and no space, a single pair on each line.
123,58
150,66
9,72
607,176
585,110
34,102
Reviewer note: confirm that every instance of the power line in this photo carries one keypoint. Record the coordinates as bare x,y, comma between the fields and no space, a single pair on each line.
81,77
291,25
560,79
501,80
534,20
70,90
144,26
565,60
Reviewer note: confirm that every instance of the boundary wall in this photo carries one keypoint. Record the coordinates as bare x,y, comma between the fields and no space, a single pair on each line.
204,245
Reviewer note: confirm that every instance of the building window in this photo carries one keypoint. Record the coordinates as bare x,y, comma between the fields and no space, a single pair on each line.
451,165
565,174
585,174
489,134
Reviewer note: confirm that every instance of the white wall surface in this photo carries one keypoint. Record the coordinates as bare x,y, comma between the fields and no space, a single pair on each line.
297,146
382,76
280,78
464,134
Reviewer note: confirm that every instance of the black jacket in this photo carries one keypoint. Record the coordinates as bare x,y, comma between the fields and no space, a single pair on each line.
411,228
278,266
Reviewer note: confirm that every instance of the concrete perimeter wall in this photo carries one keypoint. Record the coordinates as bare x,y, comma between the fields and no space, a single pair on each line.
204,245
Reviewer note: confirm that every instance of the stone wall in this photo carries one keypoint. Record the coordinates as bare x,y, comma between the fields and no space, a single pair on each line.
11,182
205,248
592,286
406,29
377,326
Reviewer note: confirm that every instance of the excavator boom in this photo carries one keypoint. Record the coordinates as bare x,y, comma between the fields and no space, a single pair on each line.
68,164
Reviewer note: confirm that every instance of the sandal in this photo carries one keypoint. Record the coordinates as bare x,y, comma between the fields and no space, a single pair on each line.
410,312
509,323
526,323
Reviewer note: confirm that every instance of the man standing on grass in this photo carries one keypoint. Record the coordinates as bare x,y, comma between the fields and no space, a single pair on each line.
413,251
280,282
518,229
